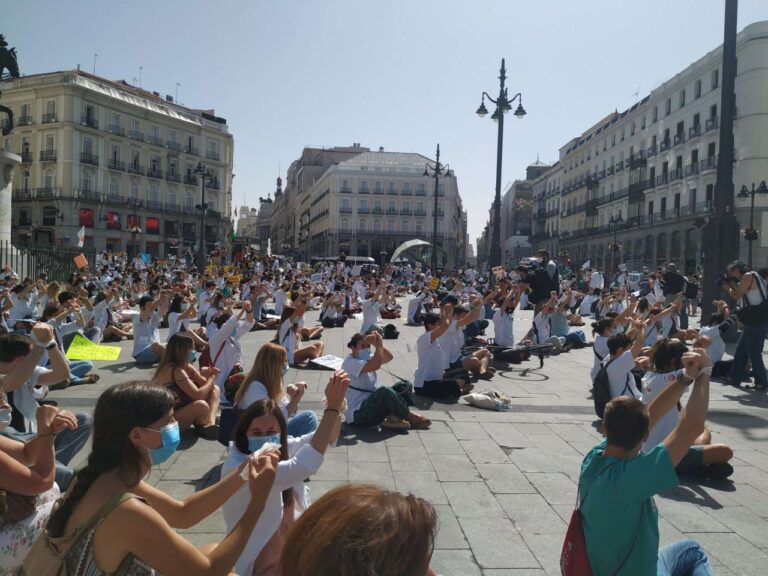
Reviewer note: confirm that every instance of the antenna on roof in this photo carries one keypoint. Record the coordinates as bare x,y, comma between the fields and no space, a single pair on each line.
94,62
637,94
177,91
141,69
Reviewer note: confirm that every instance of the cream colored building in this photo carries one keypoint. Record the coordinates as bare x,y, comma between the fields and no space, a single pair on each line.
111,157
546,210
647,175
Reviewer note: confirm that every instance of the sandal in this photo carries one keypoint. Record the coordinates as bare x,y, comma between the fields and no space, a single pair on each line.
395,423
419,422
210,432
91,379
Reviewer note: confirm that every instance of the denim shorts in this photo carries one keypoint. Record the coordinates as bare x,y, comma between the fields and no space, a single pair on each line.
692,460
146,356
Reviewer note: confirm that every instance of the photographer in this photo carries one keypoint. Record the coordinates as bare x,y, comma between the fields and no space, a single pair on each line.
748,289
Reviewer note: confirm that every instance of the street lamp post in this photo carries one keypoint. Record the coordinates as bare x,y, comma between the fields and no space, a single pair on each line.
134,231
750,233
204,173
615,246
438,170
503,105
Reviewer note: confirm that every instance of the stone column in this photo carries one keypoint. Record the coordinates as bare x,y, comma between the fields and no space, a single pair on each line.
8,161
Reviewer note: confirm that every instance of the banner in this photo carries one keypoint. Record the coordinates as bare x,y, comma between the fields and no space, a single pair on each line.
434,283
83,349
81,261
81,237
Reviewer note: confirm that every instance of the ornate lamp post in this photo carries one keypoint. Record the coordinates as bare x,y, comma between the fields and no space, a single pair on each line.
134,230
503,105
615,246
438,170
750,233
205,174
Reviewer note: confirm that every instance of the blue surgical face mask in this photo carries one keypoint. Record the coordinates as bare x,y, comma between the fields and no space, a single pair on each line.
364,354
256,442
234,333
285,368
171,437
191,356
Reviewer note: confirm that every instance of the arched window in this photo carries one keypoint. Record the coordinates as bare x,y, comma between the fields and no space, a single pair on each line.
377,225
114,187
188,202
48,181
419,226
363,225
172,198
390,226
134,188
26,181
406,226
345,223
153,195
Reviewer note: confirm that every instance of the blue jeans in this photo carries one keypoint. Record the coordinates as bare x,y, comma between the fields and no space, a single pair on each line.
146,356
750,346
684,315
576,339
78,370
683,558
302,423
473,329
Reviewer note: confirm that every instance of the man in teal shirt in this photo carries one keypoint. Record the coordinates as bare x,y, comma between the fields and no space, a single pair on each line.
618,481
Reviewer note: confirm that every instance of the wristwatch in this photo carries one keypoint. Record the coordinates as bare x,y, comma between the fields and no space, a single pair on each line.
684,379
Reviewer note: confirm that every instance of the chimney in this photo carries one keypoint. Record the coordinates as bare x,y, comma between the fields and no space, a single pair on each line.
156,94
381,148
168,98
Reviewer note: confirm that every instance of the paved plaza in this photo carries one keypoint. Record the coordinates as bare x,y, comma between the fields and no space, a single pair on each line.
503,483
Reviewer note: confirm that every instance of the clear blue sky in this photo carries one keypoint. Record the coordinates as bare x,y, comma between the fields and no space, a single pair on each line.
403,74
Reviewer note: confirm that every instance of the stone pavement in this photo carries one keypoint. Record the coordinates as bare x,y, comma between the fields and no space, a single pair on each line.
503,483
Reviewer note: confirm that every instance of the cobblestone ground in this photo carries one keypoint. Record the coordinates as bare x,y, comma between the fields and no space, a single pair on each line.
504,483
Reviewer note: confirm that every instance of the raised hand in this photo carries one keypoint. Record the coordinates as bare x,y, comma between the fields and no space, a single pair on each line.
336,390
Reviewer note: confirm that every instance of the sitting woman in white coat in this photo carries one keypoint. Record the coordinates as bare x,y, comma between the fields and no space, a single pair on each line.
263,422
224,345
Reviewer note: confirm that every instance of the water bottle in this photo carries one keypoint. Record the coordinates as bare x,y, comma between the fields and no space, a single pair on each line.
501,406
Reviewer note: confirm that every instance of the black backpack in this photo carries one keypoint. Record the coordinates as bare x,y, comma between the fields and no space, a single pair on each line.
601,393
391,332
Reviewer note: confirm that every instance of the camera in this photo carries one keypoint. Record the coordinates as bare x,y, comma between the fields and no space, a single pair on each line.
725,279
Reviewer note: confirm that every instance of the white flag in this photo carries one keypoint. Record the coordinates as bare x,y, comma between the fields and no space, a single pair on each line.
586,265
81,237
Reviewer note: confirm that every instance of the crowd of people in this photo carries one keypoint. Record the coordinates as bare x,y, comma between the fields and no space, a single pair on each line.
111,521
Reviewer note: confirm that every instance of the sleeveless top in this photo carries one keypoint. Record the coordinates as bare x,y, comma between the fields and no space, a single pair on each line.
755,295
79,560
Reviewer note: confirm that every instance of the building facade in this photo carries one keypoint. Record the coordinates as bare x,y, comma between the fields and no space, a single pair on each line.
117,160
638,187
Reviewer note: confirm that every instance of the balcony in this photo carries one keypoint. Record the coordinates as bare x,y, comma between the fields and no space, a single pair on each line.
192,150
392,211
136,135
115,164
362,190
47,155
190,180
406,192
664,145
392,192
592,183
213,184
363,210
420,212
156,140
23,194
651,151
155,173
173,177
638,160
676,174
609,171
135,168
90,121
25,120
345,209
405,211
694,131
26,157
709,163
117,130
692,169
214,214
173,146
49,118
378,210
345,191
712,123
637,191
213,155
378,191
89,158
137,203
169,207
25,221
421,192
88,195
619,166
678,139
190,210
114,199
662,179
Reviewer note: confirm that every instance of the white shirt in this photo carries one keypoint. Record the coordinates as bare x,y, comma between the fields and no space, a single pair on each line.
229,346
452,341
600,346
22,307
145,333
101,315
653,384
432,360
257,391
415,304
716,349
541,321
621,380
280,298
304,462
596,280
175,324
502,328
357,379
288,338
25,398
370,315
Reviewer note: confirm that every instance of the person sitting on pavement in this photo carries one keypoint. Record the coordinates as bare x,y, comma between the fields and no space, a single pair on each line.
146,329
623,349
266,381
430,379
117,517
288,337
224,346
361,529
368,402
105,319
540,333
602,330
503,317
371,307
719,323
263,423
618,481
416,309
331,311
25,382
27,473
703,458
181,312
452,341
80,370
196,396
559,325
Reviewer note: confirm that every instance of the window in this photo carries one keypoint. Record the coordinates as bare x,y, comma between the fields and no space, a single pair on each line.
715,79
713,111
668,107
377,187
711,150
419,226
710,194
172,197
655,115
364,203
152,225
406,204
172,136
663,207
345,203
115,153
345,223
681,98
115,120
49,216
407,188
49,140
632,129
419,206
153,195
623,133
87,181
377,205
390,225
391,206
642,123
697,89
613,140
134,188
188,201
114,187
406,226
391,188
377,225
363,225
50,107
696,120
345,187
88,146
48,179
363,187
420,190
135,126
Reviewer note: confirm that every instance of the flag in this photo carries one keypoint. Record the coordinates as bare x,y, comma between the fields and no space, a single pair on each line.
81,237
586,265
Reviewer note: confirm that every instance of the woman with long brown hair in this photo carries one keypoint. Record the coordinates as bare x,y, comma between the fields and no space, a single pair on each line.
263,423
196,396
289,337
265,381
362,529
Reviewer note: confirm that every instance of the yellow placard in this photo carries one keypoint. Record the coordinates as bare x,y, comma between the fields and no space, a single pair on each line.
83,349
434,283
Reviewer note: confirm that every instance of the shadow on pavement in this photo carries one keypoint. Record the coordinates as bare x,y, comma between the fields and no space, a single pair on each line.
694,493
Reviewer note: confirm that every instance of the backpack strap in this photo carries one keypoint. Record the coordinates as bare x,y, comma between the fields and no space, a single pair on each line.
221,350
598,355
